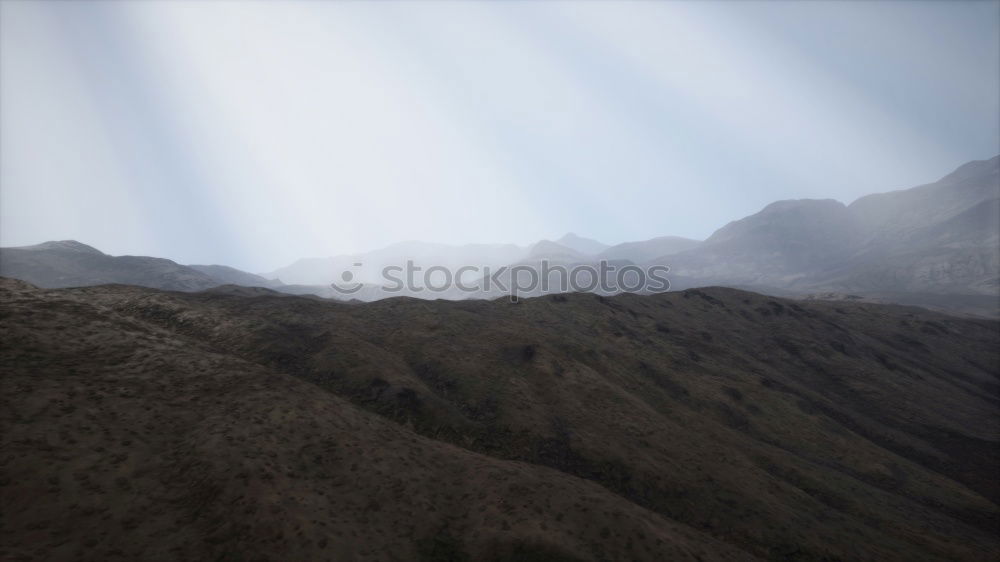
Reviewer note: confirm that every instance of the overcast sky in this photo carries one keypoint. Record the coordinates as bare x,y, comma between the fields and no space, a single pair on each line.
255,133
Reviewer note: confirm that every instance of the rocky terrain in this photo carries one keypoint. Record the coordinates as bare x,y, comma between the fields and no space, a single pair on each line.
241,423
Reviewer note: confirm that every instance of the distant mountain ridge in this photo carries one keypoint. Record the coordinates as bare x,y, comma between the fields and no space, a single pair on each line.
937,238
585,246
646,250
554,250
68,263
321,271
921,245
232,276
777,246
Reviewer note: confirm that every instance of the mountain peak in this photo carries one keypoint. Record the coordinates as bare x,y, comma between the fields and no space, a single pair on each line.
580,244
548,248
65,246
974,169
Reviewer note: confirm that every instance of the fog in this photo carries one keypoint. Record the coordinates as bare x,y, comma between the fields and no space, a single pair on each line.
254,134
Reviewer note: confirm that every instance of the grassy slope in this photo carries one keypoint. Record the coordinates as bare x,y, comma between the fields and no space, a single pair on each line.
787,430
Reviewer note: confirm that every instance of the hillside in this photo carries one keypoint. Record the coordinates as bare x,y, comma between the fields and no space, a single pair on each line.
231,276
646,250
704,424
780,246
68,263
943,237
585,246
934,245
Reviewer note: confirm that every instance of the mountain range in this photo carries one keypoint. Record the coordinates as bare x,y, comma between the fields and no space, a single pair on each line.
941,237
154,410
936,245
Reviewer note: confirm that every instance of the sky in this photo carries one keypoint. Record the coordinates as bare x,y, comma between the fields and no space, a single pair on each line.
254,133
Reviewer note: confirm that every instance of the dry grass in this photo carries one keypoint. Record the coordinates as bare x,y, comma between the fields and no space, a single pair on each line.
710,423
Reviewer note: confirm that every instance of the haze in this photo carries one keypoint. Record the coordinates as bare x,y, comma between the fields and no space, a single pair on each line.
253,134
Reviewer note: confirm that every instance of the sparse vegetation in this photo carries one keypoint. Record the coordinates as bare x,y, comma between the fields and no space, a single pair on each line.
143,424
